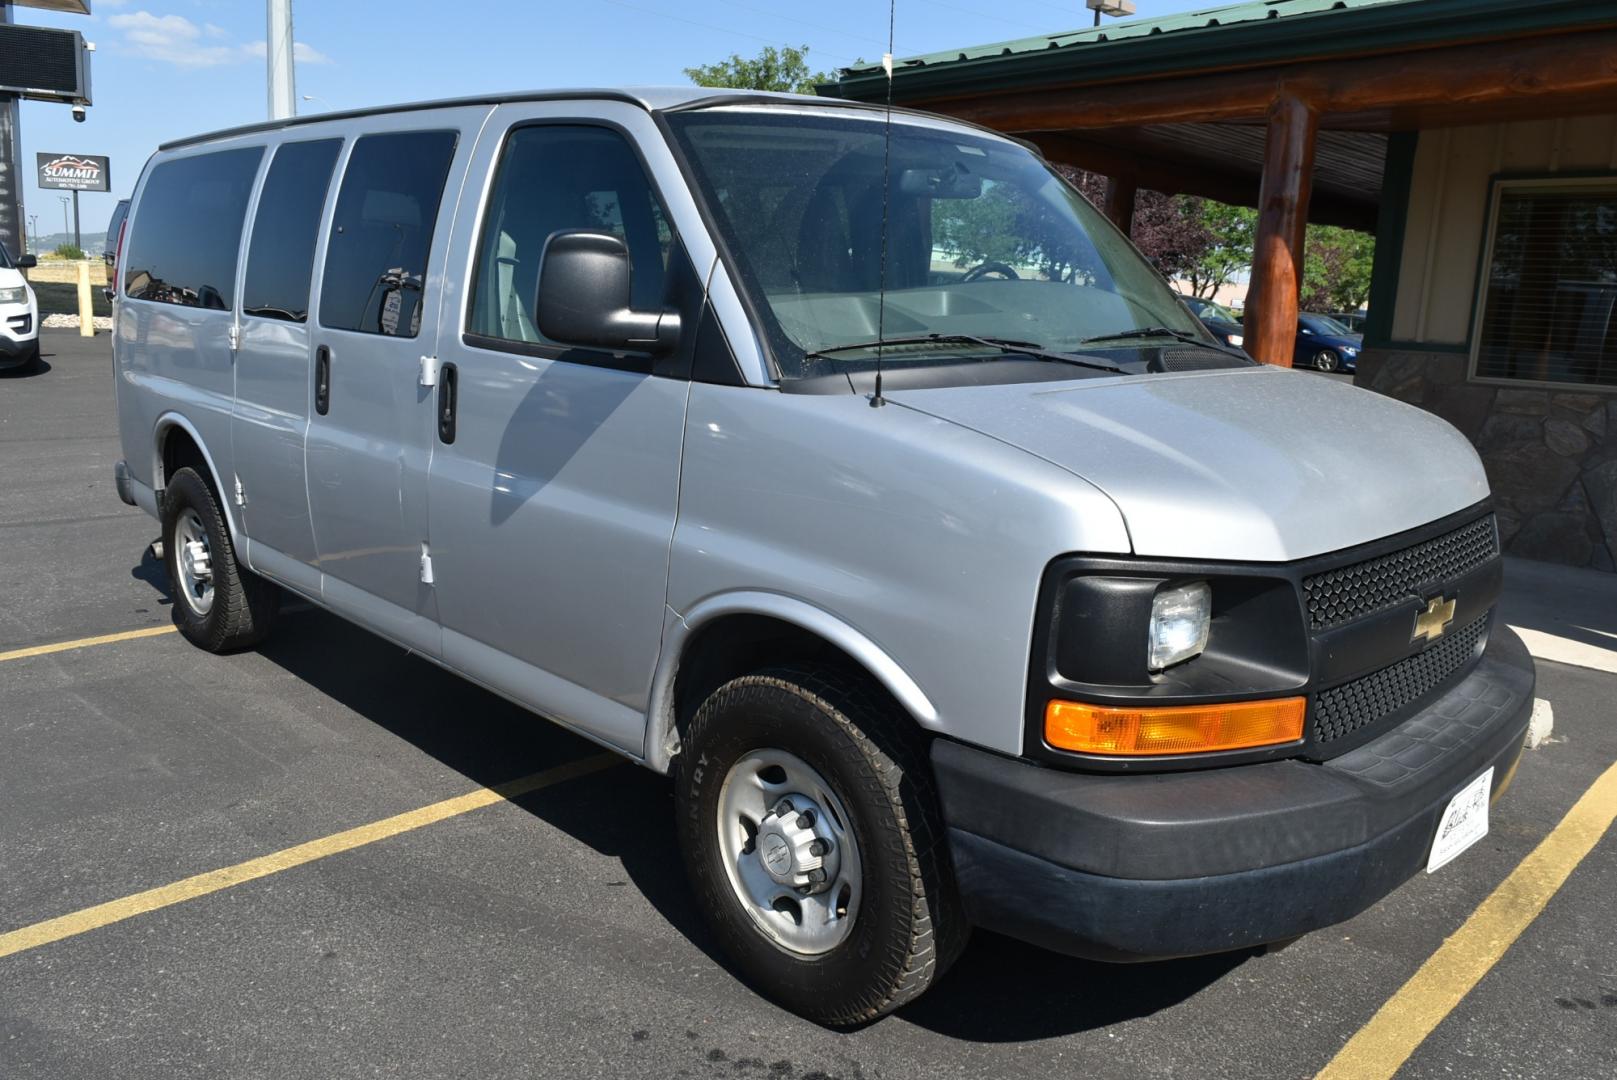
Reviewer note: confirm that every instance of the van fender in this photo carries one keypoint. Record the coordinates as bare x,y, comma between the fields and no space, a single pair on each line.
662,740
173,419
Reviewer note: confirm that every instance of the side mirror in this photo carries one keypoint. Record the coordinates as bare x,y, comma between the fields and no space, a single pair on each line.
27,262
584,297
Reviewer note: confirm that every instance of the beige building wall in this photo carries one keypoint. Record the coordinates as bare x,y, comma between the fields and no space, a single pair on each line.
1448,197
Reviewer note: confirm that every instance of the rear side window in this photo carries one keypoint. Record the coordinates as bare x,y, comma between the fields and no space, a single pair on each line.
188,229
376,258
280,258
554,177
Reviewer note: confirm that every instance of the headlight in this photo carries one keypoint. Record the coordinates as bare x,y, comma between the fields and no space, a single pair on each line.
1349,350
16,295
1180,619
1235,339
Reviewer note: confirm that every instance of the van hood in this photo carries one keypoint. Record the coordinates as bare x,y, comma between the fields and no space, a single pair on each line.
1259,464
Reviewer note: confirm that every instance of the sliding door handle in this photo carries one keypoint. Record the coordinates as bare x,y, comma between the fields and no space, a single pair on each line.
322,380
448,395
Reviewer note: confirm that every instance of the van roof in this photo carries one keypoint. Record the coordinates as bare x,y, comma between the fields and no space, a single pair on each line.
650,98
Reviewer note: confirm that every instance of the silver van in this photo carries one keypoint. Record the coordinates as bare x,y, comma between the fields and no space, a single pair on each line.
852,470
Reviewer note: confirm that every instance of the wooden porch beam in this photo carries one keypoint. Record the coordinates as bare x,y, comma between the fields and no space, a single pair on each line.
1189,177
1277,250
1573,68
1120,192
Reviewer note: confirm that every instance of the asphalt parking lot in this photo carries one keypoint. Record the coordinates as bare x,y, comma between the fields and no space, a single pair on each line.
551,934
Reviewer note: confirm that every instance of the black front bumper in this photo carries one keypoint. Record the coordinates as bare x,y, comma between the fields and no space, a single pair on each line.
1137,867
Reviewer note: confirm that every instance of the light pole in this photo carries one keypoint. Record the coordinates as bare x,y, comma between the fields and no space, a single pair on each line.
282,78
33,233
65,227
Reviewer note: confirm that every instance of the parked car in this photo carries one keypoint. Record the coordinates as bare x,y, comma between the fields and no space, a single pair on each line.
1325,344
1045,612
1353,321
1220,321
115,234
115,226
19,314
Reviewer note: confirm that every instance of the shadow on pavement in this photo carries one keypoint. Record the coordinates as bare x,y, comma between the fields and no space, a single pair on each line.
151,570
35,370
1000,990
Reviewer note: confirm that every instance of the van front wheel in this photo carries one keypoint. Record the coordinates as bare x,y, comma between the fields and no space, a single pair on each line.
218,605
812,836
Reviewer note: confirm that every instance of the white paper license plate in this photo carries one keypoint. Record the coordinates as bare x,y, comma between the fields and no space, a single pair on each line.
1464,822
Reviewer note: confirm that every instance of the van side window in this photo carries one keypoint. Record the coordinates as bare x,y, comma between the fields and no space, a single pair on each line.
188,229
553,177
376,258
280,256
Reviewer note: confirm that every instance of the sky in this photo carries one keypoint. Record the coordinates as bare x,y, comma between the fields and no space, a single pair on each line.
163,69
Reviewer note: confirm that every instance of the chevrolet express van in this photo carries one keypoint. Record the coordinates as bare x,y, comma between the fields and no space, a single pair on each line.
851,470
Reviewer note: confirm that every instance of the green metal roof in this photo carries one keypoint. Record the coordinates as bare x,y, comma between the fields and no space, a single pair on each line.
1184,22
1252,33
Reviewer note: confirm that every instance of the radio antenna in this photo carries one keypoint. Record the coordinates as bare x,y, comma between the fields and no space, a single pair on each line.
876,399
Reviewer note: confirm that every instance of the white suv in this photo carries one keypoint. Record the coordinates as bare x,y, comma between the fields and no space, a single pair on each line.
19,315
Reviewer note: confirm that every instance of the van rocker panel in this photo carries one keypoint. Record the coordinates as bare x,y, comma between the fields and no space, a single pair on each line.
1124,867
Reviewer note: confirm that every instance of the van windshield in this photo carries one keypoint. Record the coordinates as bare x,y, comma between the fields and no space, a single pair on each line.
984,239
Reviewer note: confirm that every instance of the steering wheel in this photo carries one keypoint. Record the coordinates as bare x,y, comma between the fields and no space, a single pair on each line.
977,273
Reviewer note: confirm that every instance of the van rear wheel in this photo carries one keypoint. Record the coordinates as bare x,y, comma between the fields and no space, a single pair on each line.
812,836
218,605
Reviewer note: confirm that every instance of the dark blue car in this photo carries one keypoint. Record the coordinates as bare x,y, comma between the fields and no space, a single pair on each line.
1219,320
1325,344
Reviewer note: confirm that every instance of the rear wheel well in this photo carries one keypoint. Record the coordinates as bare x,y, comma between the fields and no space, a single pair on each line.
180,451
738,645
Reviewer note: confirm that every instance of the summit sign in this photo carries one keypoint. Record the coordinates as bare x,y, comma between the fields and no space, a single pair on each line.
74,172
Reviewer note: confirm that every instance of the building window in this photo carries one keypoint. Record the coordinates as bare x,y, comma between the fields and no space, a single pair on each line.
1548,311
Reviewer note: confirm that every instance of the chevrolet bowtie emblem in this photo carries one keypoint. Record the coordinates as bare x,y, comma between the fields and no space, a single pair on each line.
1430,623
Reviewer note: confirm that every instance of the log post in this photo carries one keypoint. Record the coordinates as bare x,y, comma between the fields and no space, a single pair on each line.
1120,192
1277,250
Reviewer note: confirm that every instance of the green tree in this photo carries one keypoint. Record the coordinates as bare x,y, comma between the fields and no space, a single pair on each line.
785,70
68,251
1336,268
1228,252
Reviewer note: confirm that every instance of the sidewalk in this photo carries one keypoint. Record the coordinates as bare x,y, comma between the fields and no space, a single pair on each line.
1563,614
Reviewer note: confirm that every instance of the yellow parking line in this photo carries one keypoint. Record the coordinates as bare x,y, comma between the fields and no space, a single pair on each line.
1382,1046
92,918
84,643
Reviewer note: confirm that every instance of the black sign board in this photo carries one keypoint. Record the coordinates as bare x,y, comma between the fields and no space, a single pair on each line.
75,172
43,64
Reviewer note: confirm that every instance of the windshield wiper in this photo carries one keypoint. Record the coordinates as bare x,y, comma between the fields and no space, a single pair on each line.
1149,332
1005,345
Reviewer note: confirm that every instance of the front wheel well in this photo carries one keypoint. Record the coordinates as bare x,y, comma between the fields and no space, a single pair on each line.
737,645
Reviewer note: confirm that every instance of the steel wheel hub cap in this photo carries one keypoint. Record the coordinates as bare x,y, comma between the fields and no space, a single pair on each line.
194,561
789,851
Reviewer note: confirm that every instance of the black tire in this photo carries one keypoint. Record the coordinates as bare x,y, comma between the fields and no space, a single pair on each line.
244,605
1326,360
909,926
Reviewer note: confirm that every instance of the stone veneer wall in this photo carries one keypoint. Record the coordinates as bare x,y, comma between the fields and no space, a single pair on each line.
1551,455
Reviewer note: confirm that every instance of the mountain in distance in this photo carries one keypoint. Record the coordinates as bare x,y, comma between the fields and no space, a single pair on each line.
93,242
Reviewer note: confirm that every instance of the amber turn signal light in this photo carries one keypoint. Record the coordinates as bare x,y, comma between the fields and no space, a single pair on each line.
1174,729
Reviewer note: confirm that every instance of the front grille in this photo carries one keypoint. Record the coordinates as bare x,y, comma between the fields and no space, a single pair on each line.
1343,710
1349,592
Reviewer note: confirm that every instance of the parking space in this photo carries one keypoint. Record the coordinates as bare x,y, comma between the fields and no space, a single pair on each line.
552,934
